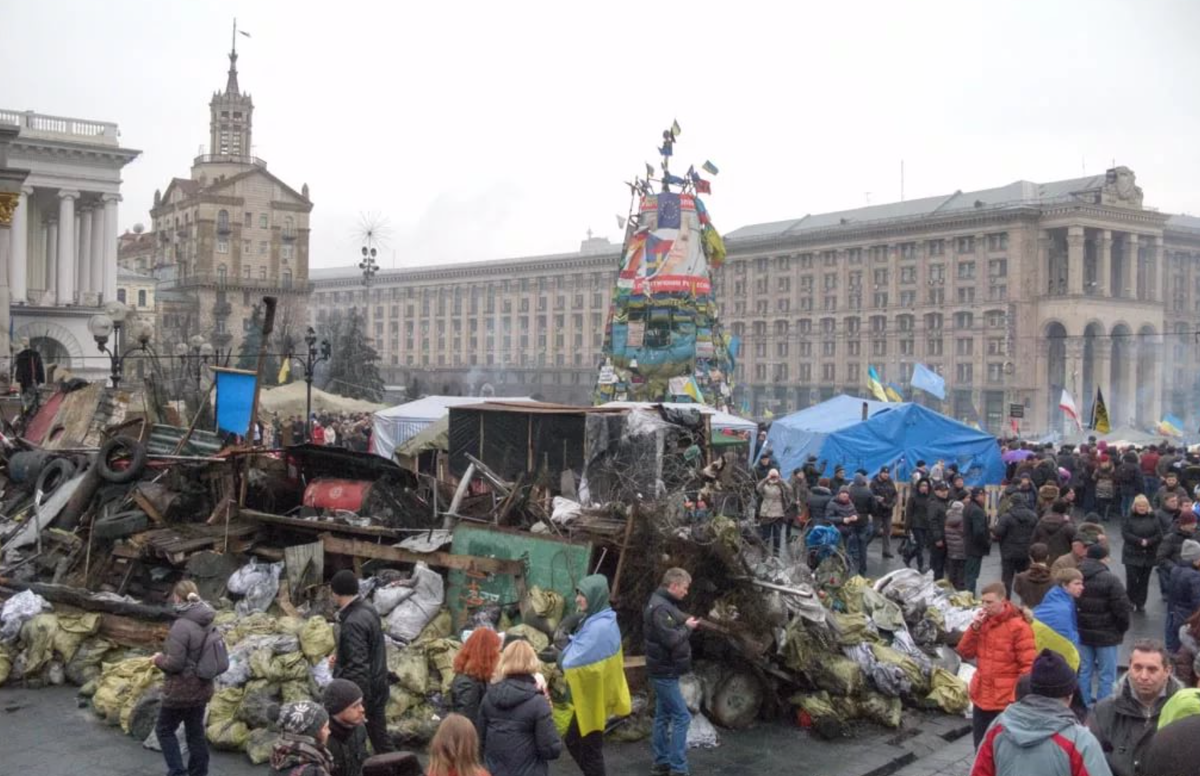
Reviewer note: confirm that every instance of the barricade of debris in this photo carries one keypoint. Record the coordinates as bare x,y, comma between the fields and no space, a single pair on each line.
97,525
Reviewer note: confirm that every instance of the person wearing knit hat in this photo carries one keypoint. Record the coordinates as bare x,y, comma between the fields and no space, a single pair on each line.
1039,734
300,749
956,545
361,655
1183,591
347,743
1104,618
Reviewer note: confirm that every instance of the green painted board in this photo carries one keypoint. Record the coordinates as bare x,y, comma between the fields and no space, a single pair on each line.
551,564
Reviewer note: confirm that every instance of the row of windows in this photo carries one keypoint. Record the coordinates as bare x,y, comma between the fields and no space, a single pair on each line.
473,305
264,222
993,243
936,273
879,300
286,251
853,372
285,277
122,297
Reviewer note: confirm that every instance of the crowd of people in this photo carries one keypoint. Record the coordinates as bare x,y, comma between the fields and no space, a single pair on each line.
503,719
349,430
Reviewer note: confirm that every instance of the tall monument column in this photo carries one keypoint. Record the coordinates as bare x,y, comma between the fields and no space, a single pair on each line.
66,246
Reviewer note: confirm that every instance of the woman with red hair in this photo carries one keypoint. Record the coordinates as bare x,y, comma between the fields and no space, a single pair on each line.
473,668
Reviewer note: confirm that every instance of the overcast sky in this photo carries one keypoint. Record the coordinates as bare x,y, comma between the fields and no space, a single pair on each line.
490,130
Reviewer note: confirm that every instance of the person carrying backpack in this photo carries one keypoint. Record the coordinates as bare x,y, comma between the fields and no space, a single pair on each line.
194,655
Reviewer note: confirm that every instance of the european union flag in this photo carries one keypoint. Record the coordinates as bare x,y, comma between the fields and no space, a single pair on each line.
669,213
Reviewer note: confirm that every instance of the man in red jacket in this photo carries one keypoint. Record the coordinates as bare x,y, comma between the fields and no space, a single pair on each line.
1001,643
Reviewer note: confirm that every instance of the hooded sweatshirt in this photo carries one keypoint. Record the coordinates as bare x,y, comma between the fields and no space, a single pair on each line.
1032,584
594,663
1039,735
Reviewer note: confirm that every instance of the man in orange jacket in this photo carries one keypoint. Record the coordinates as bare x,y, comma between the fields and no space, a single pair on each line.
1001,643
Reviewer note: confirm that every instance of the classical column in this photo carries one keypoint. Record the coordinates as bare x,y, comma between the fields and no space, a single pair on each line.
8,207
111,203
1075,260
52,260
66,246
96,267
1129,266
1104,269
19,255
1043,263
83,258
1158,261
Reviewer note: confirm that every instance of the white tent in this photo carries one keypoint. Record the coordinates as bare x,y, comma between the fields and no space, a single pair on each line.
396,425
291,399
721,421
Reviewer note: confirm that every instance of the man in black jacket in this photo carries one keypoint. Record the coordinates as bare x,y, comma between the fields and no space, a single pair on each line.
1125,724
361,655
1104,611
343,700
668,632
978,537
1014,531
885,504
938,505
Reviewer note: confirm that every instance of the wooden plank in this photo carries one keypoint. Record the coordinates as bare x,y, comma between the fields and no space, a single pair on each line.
324,526
147,507
361,549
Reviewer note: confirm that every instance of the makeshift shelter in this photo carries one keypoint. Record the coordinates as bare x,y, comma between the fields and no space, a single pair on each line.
393,426
726,428
893,434
420,453
291,399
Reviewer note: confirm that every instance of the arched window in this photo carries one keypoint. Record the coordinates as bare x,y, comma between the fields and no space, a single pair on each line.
222,274
223,221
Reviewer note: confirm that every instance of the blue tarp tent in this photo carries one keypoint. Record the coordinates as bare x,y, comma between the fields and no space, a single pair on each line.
894,434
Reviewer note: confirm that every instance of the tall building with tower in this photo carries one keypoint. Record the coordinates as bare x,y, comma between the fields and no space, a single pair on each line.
228,234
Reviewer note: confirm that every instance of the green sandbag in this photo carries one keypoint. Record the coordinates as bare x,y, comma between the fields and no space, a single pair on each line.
912,671
816,704
73,629
852,594
224,730
884,612
260,663
538,640
949,692
291,667
89,688
880,708
837,674
439,627
441,655
6,661
410,667
120,687
416,729
260,708
38,637
228,736
399,702
256,624
851,629
290,626
295,691
85,665
316,639
259,745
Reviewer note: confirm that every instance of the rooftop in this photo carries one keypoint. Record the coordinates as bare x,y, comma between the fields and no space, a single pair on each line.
47,127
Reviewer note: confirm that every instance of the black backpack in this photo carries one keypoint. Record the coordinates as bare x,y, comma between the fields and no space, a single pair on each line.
214,657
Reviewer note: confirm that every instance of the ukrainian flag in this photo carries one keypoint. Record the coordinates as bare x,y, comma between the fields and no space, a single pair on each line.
1171,425
875,384
594,667
894,393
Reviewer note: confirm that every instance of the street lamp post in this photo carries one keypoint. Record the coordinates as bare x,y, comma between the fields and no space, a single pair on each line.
309,365
110,323
193,356
369,268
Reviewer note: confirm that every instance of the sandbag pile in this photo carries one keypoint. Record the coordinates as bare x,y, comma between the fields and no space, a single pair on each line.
42,647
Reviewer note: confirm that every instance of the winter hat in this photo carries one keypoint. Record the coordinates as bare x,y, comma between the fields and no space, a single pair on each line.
956,509
1098,551
1187,518
1088,533
941,485
1190,553
340,695
303,718
344,583
843,489
860,479
1051,676
977,491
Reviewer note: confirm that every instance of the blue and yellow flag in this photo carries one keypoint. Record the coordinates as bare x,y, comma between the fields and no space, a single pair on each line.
894,392
594,667
1171,425
875,384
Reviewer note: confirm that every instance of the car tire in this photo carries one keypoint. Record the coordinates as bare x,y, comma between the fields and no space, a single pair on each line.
121,446
53,475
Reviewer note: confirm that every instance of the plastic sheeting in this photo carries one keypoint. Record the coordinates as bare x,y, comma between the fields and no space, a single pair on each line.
895,434
396,425
411,616
21,607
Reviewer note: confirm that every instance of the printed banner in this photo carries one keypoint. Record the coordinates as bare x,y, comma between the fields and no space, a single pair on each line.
235,399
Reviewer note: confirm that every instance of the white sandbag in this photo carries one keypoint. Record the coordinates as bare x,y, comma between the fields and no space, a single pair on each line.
388,597
410,617
321,673
17,610
258,583
701,733
565,510
965,672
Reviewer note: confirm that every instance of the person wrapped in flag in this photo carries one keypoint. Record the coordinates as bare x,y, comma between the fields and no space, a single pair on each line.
593,664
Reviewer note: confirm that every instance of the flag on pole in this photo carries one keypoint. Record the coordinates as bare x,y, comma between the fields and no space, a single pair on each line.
1067,405
1100,414
894,392
928,381
285,370
1171,425
875,384
709,168
974,420
676,130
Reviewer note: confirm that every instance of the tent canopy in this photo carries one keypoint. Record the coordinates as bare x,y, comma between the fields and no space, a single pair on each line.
435,436
290,400
894,434
394,426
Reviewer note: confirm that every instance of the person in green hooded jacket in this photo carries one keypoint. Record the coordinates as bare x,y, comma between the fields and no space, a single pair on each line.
594,666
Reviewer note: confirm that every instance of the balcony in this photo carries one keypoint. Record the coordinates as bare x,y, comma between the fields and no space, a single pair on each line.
61,128
229,159
287,235
222,309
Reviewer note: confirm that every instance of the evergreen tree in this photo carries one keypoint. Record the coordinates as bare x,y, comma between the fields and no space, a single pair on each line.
248,352
354,365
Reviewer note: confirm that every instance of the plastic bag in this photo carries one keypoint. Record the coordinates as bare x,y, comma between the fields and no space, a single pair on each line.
321,673
389,597
258,583
410,617
399,702
316,638
256,624
852,629
259,708
966,672
701,734
692,691
290,692
565,510
17,610
909,673
949,692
